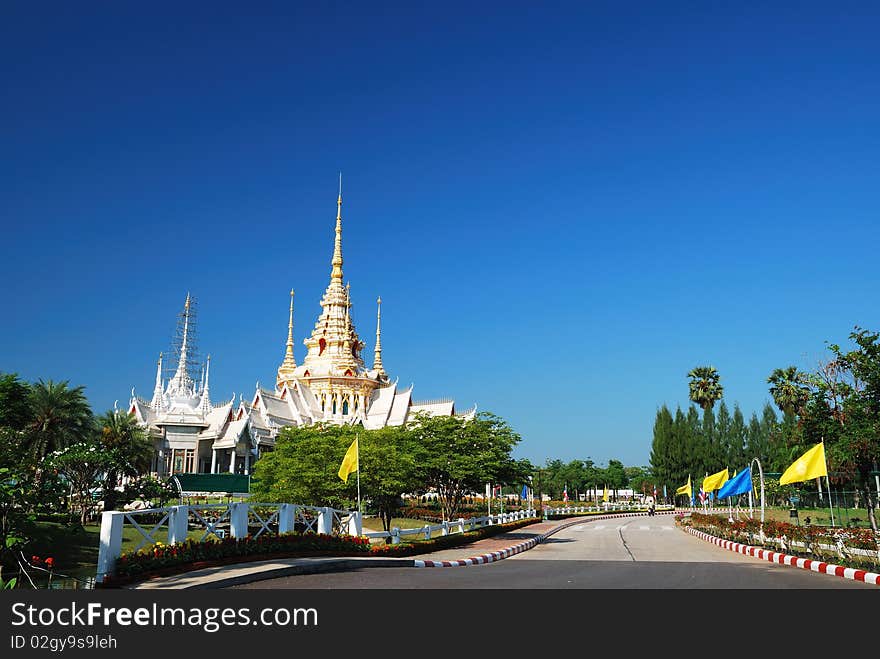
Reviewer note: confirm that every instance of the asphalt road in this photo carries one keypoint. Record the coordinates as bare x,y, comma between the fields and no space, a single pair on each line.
633,553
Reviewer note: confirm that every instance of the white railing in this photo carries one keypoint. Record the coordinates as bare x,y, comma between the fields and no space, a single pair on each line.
460,525
174,524
605,508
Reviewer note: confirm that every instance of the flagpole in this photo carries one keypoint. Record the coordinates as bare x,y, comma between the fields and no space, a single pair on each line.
830,504
357,450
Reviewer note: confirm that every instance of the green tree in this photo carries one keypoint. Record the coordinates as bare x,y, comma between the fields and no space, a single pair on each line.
16,493
705,387
129,447
461,456
59,417
664,447
152,491
616,475
736,445
304,467
83,465
553,478
788,387
15,410
640,479
389,459
844,412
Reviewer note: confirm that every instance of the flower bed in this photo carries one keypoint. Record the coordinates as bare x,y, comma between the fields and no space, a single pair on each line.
856,548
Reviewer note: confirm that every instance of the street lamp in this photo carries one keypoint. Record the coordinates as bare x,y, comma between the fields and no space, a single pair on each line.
531,494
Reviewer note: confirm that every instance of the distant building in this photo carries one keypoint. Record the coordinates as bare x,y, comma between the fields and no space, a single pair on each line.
333,384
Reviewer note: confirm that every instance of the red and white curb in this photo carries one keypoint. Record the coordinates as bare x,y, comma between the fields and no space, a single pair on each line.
794,561
523,546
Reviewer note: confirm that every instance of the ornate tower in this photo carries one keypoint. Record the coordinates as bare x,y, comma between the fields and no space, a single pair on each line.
288,366
333,367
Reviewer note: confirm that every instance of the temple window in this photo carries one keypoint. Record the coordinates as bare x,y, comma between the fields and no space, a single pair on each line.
334,406
345,407
322,344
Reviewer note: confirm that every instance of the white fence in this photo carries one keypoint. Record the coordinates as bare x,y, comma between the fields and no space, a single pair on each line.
460,525
607,507
174,524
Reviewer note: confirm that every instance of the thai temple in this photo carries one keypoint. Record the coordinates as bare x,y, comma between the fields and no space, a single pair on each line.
332,385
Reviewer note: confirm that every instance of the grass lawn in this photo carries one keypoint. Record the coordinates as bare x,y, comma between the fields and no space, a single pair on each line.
75,549
374,524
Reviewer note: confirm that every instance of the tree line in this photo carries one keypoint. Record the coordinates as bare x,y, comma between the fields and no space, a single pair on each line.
837,403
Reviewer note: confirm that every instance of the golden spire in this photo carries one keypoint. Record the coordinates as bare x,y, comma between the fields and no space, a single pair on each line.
288,356
347,330
377,355
337,248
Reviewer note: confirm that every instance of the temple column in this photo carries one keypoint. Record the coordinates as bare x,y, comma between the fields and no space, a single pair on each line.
213,461
247,462
232,460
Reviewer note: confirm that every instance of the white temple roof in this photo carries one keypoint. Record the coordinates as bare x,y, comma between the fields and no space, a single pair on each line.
231,434
381,401
434,408
399,408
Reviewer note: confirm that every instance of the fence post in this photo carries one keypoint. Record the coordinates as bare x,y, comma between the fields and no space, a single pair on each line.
238,519
111,543
427,531
355,524
445,530
461,524
325,521
286,518
395,535
178,524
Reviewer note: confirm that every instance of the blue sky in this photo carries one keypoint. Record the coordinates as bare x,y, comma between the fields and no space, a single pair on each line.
564,206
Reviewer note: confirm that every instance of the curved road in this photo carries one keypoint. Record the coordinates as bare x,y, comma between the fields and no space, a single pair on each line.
638,552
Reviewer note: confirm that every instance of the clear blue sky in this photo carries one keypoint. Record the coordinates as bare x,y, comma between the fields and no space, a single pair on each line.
564,206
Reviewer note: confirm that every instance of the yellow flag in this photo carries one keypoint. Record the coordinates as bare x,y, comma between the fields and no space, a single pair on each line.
810,465
716,480
605,496
686,489
350,461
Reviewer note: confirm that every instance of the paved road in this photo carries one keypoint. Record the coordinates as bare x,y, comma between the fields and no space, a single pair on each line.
639,552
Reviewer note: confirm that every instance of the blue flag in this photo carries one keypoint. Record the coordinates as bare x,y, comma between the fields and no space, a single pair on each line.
739,484
525,493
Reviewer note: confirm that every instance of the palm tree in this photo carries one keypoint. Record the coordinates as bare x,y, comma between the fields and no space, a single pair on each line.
789,390
705,388
60,416
130,447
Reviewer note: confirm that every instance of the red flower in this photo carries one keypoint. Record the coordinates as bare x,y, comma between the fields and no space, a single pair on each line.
35,560
50,562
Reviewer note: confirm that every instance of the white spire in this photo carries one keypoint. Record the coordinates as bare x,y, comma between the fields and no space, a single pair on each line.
206,391
180,382
377,355
156,403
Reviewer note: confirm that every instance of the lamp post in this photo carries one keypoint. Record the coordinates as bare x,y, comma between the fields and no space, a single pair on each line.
531,494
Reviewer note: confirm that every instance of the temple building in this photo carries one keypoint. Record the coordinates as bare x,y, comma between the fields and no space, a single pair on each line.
332,385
